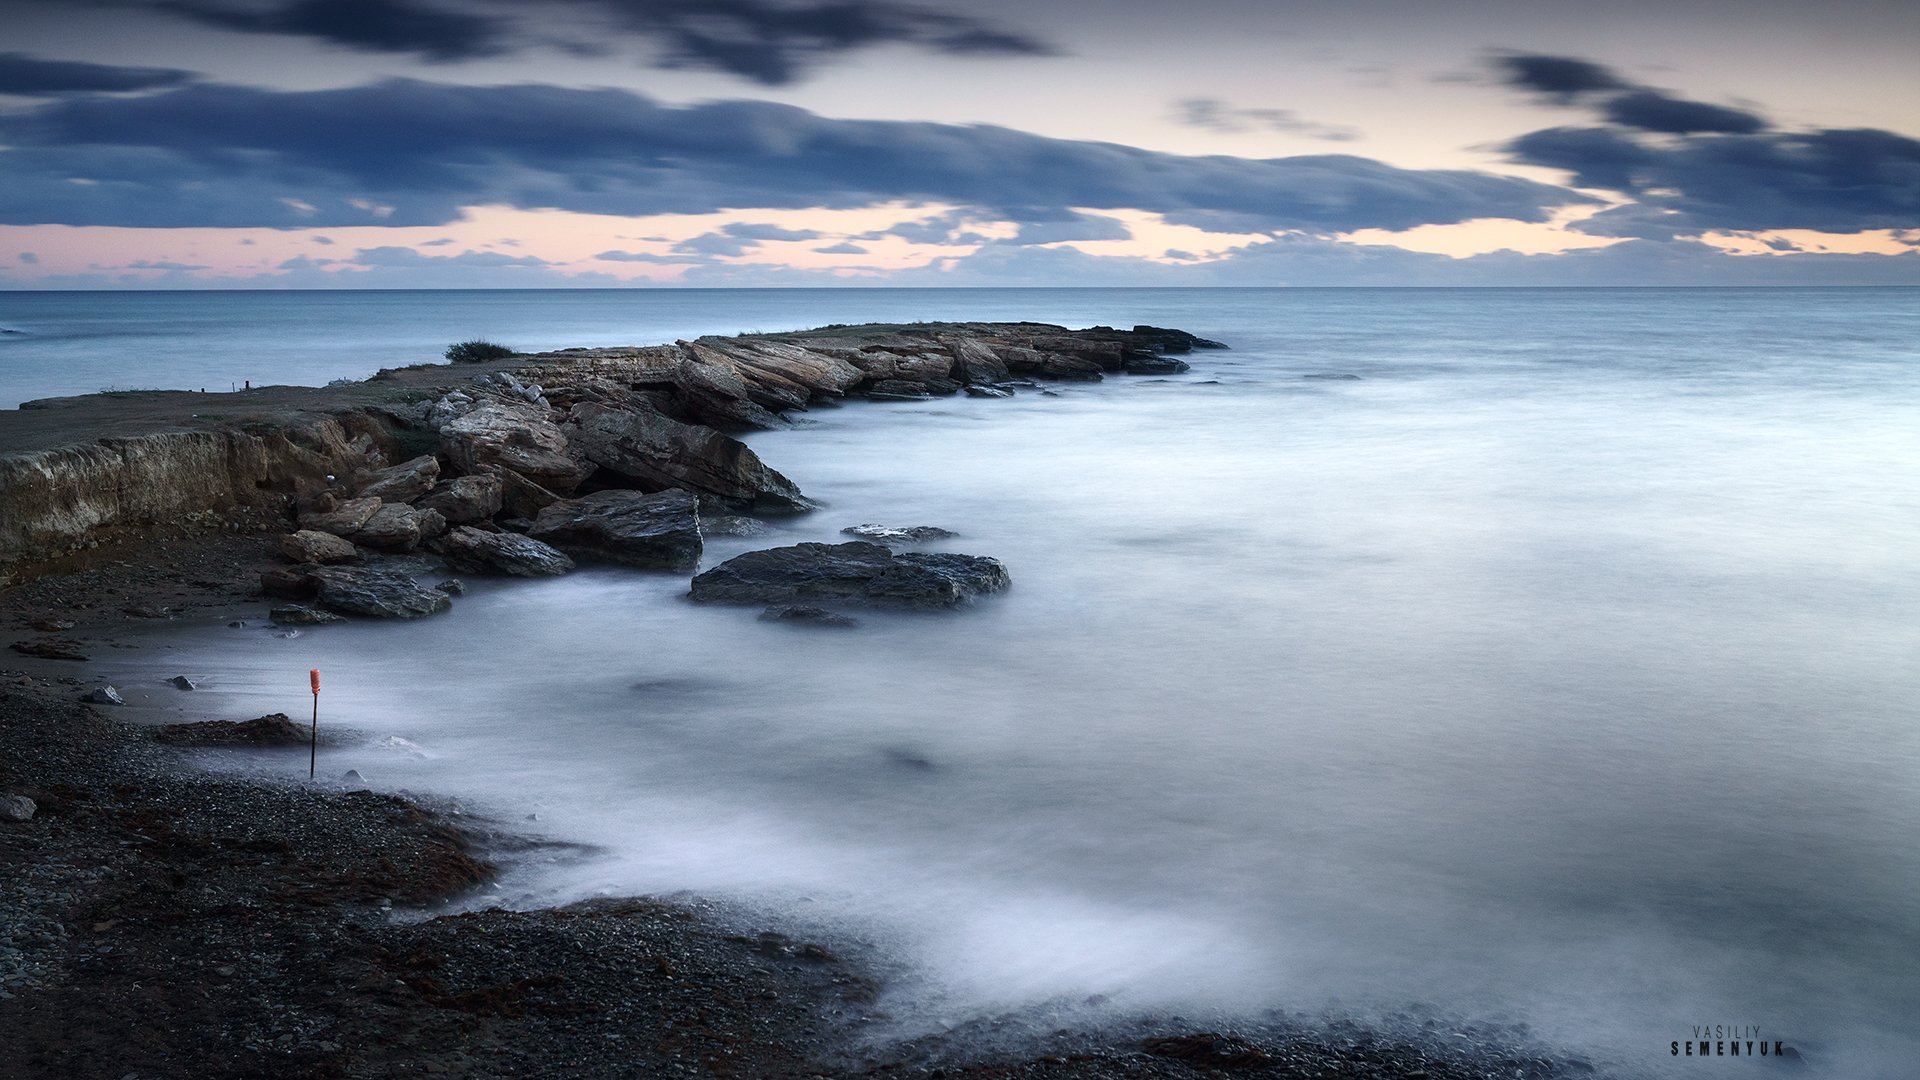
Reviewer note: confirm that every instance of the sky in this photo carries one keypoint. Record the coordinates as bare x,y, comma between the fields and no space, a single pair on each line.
599,143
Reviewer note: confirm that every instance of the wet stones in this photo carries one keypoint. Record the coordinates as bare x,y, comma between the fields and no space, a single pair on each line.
377,592
658,531
856,571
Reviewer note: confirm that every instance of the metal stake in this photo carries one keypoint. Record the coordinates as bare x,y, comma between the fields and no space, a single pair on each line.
313,746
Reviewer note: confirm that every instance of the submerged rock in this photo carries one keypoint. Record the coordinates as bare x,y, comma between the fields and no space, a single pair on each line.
473,550
658,531
854,571
812,616
386,594
302,615
887,534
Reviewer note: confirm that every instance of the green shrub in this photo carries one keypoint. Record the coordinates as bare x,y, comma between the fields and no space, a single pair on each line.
475,352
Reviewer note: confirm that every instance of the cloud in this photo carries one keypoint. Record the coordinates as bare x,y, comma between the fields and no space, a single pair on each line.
1562,77
842,248
645,257
29,76
29,258
715,243
212,155
1072,227
1212,114
746,230
395,256
1650,110
1832,180
163,264
768,42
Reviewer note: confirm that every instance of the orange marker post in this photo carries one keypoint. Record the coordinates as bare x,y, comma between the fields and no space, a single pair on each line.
313,747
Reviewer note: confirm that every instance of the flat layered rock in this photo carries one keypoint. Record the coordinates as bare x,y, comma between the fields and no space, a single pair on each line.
655,451
857,571
404,482
464,499
660,531
513,436
314,546
375,592
475,551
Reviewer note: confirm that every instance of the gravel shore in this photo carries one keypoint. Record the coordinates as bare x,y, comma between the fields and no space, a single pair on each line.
159,920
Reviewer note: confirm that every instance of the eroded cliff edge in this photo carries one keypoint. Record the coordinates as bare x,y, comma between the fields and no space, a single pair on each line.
442,444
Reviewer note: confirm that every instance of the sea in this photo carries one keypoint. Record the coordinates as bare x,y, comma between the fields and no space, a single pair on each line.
1537,657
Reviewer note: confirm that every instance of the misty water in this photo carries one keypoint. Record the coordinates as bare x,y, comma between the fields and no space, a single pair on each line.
1560,667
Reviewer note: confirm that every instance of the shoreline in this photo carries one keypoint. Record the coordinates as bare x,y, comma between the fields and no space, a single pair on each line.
142,873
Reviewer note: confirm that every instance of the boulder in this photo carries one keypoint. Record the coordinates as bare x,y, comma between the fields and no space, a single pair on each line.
291,582
345,518
474,551
464,499
273,729
103,695
17,808
314,546
521,497
181,682
402,483
1146,364
381,593
50,649
853,571
513,436
302,615
659,531
973,362
1168,340
887,534
1052,365
392,527
654,451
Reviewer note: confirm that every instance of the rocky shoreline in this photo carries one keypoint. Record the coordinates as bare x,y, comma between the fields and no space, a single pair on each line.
162,921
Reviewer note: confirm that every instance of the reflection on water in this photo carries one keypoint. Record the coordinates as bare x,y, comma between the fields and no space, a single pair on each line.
1560,666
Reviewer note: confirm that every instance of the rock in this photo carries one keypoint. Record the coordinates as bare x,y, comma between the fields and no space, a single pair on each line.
50,649
812,616
181,682
464,499
1168,340
386,594
273,729
147,611
103,695
519,437
977,390
352,776
520,496
1208,1050
885,534
1331,376
660,531
899,390
449,408
51,626
344,519
732,525
314,546
16,808
402,483
472,550
1028,361
657,452
293,582
393,527
973,362
856,571
1154,365
302,615
452,587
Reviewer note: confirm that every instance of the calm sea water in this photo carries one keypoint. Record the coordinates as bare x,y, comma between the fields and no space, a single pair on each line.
1561,667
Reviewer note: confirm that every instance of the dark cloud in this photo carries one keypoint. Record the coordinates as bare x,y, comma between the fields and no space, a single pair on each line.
767,41
225,155
1829,180
1650,110
393,26
1563,77
1072,227
715,244
747,230
32,77
1212,114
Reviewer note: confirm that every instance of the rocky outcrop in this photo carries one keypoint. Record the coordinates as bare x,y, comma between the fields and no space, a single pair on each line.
659,531
653,451
377,592
389,462
473,551
856,571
